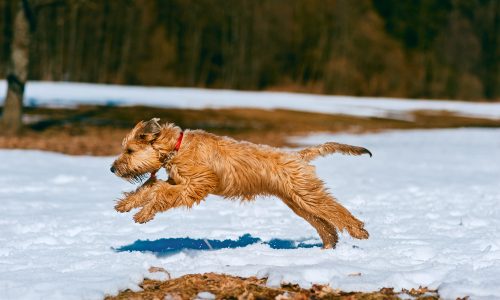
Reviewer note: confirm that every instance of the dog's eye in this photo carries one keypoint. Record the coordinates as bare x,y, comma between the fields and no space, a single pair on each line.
129,151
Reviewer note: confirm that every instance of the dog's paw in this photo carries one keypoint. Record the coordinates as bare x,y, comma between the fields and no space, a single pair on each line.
328,246
143,216
359,233
122,207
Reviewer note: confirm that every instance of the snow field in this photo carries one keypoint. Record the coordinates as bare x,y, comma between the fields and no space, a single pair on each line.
429,200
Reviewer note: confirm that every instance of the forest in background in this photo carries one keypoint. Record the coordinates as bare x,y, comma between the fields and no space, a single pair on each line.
442,49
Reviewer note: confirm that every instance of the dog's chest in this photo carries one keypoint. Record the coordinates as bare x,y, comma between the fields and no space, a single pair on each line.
170,166
168,160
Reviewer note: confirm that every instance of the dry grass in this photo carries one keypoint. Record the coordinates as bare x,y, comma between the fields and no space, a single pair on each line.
232,287
98,130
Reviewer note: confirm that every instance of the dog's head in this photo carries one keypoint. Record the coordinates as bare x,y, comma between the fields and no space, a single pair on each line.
140,149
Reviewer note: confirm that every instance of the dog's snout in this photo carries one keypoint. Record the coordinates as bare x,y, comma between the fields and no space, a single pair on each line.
112,169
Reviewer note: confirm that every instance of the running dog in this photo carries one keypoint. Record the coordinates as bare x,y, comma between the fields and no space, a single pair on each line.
199,163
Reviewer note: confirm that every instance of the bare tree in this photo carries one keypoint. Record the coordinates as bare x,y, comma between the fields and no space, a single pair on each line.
24,24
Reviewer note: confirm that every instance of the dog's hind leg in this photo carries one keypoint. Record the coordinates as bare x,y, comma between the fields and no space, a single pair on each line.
308,194
164,196
326,231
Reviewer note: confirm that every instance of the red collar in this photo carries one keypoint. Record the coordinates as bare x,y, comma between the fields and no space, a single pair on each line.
179,141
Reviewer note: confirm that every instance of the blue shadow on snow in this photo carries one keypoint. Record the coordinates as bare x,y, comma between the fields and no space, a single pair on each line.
168,246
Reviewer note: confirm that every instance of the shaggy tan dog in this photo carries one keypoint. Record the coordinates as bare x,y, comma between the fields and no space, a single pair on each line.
199,163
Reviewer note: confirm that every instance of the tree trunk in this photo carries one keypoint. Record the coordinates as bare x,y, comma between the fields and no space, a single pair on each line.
11,122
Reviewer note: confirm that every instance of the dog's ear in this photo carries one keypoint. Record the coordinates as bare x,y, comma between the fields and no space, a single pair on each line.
150,130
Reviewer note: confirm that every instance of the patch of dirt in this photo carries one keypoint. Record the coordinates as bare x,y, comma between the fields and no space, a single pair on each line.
232,287
98,130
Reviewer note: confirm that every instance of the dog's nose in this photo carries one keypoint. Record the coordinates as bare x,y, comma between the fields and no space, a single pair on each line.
112,169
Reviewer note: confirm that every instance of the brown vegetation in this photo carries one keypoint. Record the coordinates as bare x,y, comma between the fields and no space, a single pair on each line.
91,130
232,287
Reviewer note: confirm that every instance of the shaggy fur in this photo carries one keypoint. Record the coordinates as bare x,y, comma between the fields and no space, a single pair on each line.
209,164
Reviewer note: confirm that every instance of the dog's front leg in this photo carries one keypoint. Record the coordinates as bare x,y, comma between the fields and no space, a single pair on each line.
137,198
164,196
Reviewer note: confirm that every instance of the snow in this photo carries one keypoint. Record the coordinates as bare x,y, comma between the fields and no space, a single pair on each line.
205,296
429,200
65,94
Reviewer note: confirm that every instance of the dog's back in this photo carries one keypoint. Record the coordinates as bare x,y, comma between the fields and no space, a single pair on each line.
245,169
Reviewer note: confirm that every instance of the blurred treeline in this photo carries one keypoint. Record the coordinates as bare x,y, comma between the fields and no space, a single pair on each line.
404,48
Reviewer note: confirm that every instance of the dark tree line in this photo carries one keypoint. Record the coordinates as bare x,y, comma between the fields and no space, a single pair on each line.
417,48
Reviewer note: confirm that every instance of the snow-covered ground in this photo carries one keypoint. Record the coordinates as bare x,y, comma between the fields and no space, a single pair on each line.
430,200
64,94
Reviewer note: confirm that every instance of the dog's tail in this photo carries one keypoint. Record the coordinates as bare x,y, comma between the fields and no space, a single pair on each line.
313,152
